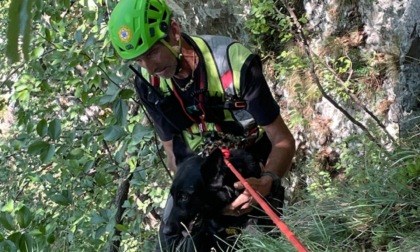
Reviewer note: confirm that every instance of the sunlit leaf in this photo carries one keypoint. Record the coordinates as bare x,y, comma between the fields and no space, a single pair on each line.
121,227
8,207
37,52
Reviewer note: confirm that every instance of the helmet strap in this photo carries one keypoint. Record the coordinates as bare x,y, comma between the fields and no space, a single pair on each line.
178,55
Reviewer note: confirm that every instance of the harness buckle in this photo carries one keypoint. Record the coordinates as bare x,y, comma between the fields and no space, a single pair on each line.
235,104
239,104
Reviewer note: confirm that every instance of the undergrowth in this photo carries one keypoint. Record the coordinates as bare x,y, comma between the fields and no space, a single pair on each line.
374,207
368,199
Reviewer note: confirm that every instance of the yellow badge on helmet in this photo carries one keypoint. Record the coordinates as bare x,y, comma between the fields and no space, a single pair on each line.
125,34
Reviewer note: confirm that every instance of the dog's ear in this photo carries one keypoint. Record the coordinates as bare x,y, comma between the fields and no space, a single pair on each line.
212,165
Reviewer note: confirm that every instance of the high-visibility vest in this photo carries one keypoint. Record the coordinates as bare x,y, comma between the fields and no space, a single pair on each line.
226,63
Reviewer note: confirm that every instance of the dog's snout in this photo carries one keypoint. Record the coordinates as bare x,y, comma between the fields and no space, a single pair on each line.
169,229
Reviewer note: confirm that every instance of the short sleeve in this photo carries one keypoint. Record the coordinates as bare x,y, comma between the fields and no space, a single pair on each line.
260,101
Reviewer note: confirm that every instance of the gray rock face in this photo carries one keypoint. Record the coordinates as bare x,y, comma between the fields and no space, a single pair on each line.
388,26
213,17
408,92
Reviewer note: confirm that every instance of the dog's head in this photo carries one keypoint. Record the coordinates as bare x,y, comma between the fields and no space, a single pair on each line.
202,187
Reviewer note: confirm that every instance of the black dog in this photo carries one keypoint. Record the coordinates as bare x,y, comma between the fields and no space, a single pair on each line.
202,187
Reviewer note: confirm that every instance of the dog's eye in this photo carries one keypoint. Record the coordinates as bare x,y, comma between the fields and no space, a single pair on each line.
183,197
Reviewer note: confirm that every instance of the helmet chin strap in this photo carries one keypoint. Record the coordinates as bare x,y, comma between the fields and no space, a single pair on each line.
178,55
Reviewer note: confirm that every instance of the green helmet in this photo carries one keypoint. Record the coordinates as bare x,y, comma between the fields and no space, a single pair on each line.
136,25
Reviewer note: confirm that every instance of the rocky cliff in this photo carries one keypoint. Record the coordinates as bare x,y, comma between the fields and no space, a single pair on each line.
384,27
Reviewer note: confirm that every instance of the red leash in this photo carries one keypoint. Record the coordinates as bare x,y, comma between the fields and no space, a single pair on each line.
276,219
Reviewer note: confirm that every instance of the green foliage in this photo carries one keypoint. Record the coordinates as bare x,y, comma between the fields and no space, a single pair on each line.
76,135
270,27
368,200
20,16
373,206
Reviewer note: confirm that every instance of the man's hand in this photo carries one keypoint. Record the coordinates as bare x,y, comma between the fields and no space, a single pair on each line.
243,203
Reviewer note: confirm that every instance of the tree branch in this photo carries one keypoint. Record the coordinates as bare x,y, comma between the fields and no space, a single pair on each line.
308,52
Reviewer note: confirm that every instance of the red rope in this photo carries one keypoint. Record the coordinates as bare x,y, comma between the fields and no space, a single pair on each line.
276,219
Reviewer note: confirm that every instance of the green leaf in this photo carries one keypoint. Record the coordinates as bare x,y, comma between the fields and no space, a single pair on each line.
26,17
119,156
37,146
9,207
60,199
24,217
100,179
120,109
97,219
88,165
121,227
47,154
66,3
54,129
7,245
76,153
78,36
100,231
110,95
126,94
90,41
26,243
51,239
15,237
114,133
6,221
37,52
138,133
13,30
42,128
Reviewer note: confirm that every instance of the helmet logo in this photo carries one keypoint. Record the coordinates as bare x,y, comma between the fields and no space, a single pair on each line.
124,34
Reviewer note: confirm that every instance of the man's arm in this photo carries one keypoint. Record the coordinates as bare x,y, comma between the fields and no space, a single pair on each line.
282,152
265,111
278,162
170,156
